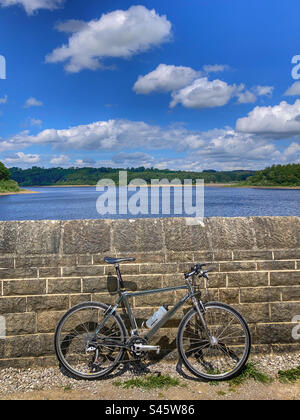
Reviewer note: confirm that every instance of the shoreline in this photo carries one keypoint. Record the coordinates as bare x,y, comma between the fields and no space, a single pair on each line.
216,185
18,192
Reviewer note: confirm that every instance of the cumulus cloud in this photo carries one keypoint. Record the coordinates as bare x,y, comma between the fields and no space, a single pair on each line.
165,78
31,102
21,158
292,152
121,33
32,5
111,135
203,93
280,121
218,148
246,97
61,160
293,90
193,89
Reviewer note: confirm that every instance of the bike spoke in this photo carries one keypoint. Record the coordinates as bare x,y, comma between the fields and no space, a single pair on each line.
223,352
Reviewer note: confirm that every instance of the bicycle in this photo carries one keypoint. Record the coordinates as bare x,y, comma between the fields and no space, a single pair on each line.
213,339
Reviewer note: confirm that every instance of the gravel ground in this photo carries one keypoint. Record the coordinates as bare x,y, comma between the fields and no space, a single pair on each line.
50,383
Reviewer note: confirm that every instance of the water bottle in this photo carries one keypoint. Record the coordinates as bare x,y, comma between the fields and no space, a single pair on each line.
157,316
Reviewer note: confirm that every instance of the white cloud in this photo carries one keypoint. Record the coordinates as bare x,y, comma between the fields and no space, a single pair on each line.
61,160
121,33
116,135
293,90
193,89
203,93
32,5
218,148
21,158
246,97
111,135
87,162
165,78
292,152
31,102
250,96
282,120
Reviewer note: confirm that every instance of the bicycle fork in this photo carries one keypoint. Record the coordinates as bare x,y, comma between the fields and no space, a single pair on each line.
201,311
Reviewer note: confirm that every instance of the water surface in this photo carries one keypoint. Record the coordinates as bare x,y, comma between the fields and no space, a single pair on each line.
69,203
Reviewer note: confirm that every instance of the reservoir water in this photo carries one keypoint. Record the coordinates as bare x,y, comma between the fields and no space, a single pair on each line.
69,203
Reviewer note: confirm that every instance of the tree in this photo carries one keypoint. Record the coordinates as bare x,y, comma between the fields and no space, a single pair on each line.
4,173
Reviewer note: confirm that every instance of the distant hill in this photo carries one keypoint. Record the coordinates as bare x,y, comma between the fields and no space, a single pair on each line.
90,176
276,175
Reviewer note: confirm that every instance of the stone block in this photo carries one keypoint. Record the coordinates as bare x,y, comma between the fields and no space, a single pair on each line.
24,287
140,235
47,303
12,305
290,278
247,279
260,294
38,237
86,236
64,286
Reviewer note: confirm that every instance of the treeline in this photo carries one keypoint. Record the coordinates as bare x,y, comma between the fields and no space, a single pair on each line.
276,175
90,176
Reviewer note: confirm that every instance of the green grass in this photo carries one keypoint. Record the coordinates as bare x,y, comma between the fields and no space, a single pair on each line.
9,186
289,376
251,371
150,382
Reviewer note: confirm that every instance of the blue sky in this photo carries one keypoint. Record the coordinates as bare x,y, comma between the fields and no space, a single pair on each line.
202,84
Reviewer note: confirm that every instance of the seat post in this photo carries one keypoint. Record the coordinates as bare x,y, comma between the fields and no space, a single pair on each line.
119,276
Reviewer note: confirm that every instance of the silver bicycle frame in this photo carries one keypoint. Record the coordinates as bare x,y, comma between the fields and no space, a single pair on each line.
124,296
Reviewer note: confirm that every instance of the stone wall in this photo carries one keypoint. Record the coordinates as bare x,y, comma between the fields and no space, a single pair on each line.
48,266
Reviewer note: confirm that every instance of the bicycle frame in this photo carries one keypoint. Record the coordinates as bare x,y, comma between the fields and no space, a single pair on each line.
124,296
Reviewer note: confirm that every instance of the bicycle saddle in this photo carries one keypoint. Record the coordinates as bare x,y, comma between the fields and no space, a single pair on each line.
109,260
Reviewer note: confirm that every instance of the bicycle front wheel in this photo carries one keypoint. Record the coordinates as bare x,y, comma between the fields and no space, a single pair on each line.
82,350
225,353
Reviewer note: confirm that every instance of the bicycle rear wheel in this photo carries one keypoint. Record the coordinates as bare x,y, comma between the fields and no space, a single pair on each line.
82,352
222,357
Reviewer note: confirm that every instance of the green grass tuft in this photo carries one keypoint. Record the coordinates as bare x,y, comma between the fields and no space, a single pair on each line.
289,376
251,371
149,382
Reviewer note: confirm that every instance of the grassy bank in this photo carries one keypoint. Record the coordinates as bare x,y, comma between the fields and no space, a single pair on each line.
9,186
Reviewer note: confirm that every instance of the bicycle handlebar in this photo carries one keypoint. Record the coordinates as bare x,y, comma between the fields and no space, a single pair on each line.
197,269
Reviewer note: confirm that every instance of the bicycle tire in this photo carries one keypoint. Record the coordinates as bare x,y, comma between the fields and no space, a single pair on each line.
62,360
215,377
